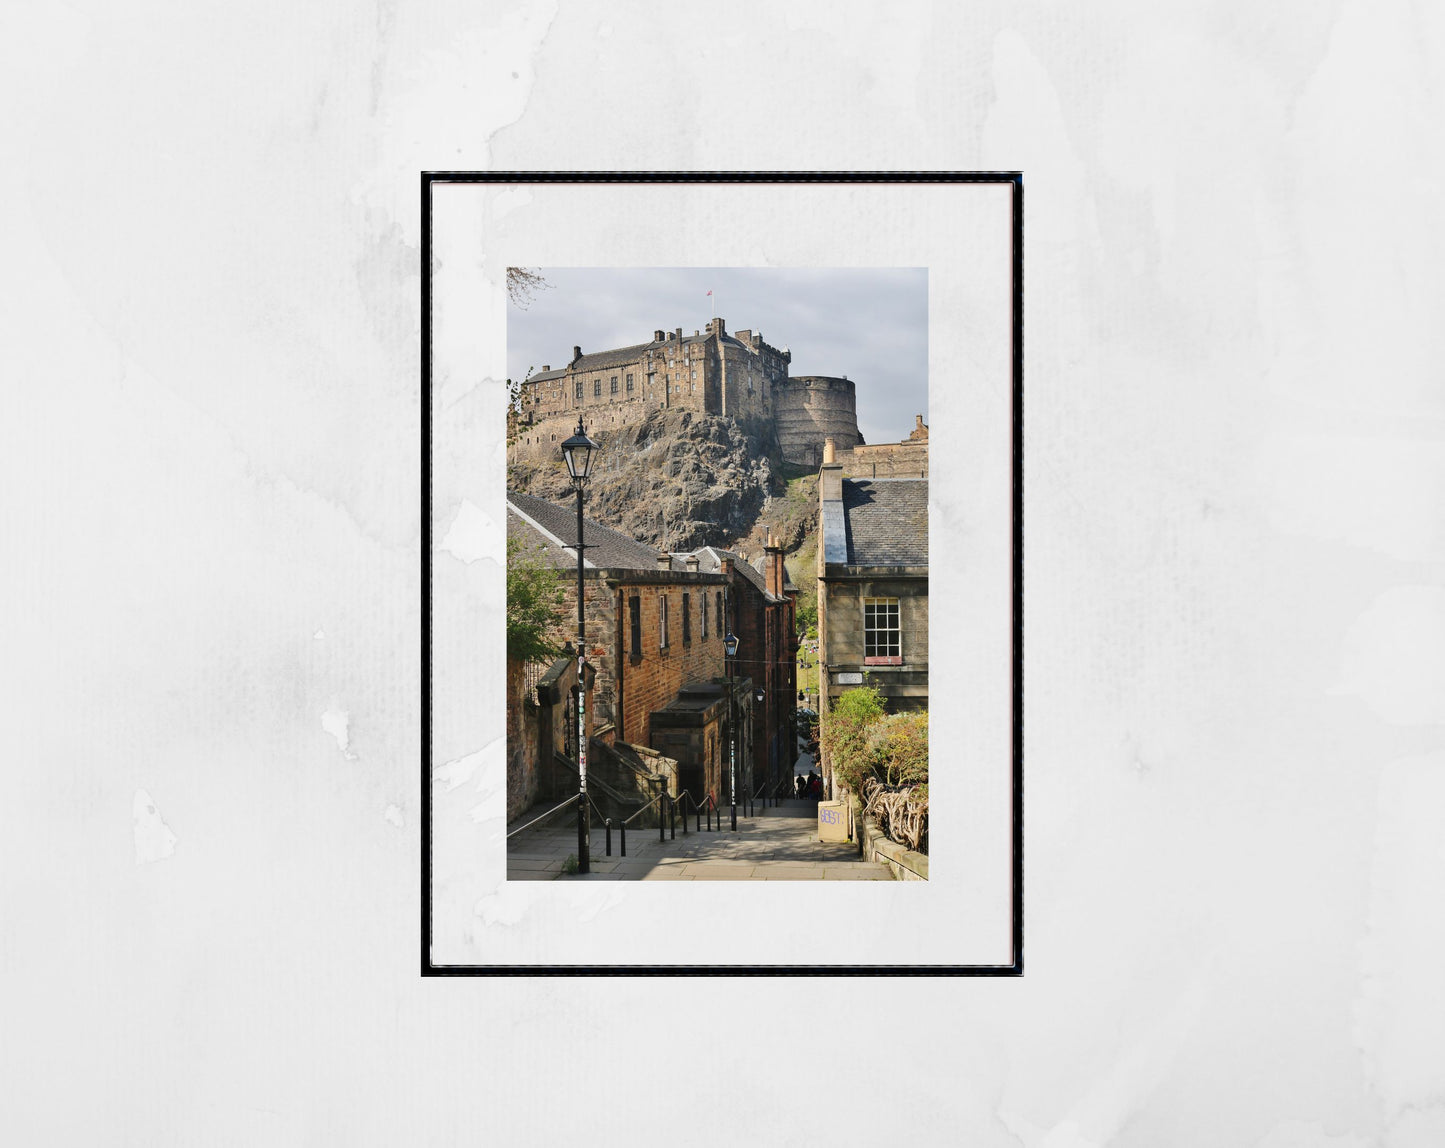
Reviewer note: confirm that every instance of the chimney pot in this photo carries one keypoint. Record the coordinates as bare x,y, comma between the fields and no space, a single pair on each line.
830,450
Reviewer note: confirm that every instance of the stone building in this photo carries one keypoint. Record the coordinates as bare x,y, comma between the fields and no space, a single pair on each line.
709,372
872,589
906,459
761,609
654,625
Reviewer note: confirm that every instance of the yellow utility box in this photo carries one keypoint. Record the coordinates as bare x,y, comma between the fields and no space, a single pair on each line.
832,821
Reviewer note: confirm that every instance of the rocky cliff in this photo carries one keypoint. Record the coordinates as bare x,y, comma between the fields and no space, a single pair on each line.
677,480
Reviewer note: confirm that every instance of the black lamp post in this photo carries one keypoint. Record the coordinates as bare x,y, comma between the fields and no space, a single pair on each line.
759,697
577,452
730,646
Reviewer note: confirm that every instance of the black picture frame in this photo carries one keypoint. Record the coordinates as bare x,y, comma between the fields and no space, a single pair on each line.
429,180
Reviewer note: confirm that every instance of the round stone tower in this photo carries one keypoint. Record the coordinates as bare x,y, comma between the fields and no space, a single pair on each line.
810,408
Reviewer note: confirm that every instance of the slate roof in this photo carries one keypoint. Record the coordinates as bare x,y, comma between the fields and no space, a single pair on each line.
886,521
709,561
554,528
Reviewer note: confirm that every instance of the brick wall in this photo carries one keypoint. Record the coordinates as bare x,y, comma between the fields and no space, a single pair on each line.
601,622
652,682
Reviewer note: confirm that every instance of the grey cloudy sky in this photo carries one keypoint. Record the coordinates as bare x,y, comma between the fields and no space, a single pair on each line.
870,324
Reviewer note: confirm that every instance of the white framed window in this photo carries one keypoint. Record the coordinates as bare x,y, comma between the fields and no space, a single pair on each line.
882,638
662,622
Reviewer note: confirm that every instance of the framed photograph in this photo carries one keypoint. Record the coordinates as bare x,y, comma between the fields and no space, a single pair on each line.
722,583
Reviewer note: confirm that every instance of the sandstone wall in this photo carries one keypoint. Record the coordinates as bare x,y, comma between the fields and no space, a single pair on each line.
885,460
703,373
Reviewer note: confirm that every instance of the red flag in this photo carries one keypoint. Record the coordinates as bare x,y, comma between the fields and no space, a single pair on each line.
709,292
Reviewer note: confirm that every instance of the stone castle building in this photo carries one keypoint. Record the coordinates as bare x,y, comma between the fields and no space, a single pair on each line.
709,372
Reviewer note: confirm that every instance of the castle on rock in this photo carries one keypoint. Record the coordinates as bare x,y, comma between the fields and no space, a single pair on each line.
708,372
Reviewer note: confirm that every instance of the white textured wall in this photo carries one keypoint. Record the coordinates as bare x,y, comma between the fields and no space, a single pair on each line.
209,470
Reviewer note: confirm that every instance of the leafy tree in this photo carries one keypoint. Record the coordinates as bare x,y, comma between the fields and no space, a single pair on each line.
807,617
535,605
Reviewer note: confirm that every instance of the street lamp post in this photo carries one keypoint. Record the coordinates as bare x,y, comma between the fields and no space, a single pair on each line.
730,646
577,451
759,697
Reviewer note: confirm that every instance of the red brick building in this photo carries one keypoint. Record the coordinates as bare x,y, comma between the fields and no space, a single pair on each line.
654,625
762,606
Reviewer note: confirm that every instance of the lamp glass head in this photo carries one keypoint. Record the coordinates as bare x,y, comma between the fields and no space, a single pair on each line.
578,451
730,644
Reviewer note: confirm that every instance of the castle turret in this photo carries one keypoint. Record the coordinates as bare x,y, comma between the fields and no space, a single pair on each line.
810,408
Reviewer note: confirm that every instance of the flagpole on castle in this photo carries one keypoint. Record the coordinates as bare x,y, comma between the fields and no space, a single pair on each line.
713,297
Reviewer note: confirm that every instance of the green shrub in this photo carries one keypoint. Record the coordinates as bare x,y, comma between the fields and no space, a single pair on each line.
898,748
845,734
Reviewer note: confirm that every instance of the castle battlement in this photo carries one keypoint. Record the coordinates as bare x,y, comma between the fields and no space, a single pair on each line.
710,372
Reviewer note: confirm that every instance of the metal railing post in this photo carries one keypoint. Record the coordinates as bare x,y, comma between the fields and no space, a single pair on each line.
671,819
622,829
607,821
661,820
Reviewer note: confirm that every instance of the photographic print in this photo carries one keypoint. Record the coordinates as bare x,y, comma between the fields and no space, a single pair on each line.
753,571
682,576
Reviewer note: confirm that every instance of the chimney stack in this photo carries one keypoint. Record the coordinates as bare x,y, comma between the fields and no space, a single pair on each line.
576,353
691,563
658,336
776,574
830,476
830,451
664,561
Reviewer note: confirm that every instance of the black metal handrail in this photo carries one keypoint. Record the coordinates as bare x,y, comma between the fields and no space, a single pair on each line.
571,801
623,824
709,804
773,790
665,822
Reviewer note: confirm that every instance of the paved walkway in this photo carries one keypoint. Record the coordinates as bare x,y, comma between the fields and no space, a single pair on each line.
778,843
